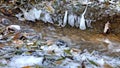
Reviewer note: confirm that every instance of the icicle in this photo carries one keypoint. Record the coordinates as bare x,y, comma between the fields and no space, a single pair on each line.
71,20
48,18
89,23
32,14
65,18
101,1
77,21
59,20
19,16
42,17
37,13
28,15
55,17
85,2
82,20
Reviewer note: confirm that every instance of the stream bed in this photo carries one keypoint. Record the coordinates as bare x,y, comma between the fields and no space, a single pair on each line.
41,45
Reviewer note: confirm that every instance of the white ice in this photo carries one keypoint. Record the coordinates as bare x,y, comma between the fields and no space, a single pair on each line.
21,61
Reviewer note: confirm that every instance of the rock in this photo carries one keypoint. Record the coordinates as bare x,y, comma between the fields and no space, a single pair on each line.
15,28
60,43
6,22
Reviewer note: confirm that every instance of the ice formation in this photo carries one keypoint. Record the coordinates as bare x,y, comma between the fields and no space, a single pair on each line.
82,20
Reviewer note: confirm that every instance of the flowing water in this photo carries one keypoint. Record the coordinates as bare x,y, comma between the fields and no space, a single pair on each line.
91,39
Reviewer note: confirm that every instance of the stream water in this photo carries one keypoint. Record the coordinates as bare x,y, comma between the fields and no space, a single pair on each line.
91,39
88,39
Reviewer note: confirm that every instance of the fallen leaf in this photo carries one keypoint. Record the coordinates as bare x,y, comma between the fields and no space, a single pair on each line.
18,42
50,52
50,9
67,51
107,66
75,50
6,12
92,62
1,45
27,67
58,62
49,42
16,36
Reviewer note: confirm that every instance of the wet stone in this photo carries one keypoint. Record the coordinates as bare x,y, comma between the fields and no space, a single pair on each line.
6,22
61,43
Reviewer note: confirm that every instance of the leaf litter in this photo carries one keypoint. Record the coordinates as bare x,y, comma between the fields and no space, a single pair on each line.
62,12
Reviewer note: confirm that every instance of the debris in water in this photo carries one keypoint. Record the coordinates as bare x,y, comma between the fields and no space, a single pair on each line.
107,28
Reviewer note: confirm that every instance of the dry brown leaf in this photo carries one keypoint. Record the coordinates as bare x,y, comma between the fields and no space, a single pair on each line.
6,12
50,9
75,50
107,66
27,67
1,45
50,52
18,42
58,62
49,42
16,36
